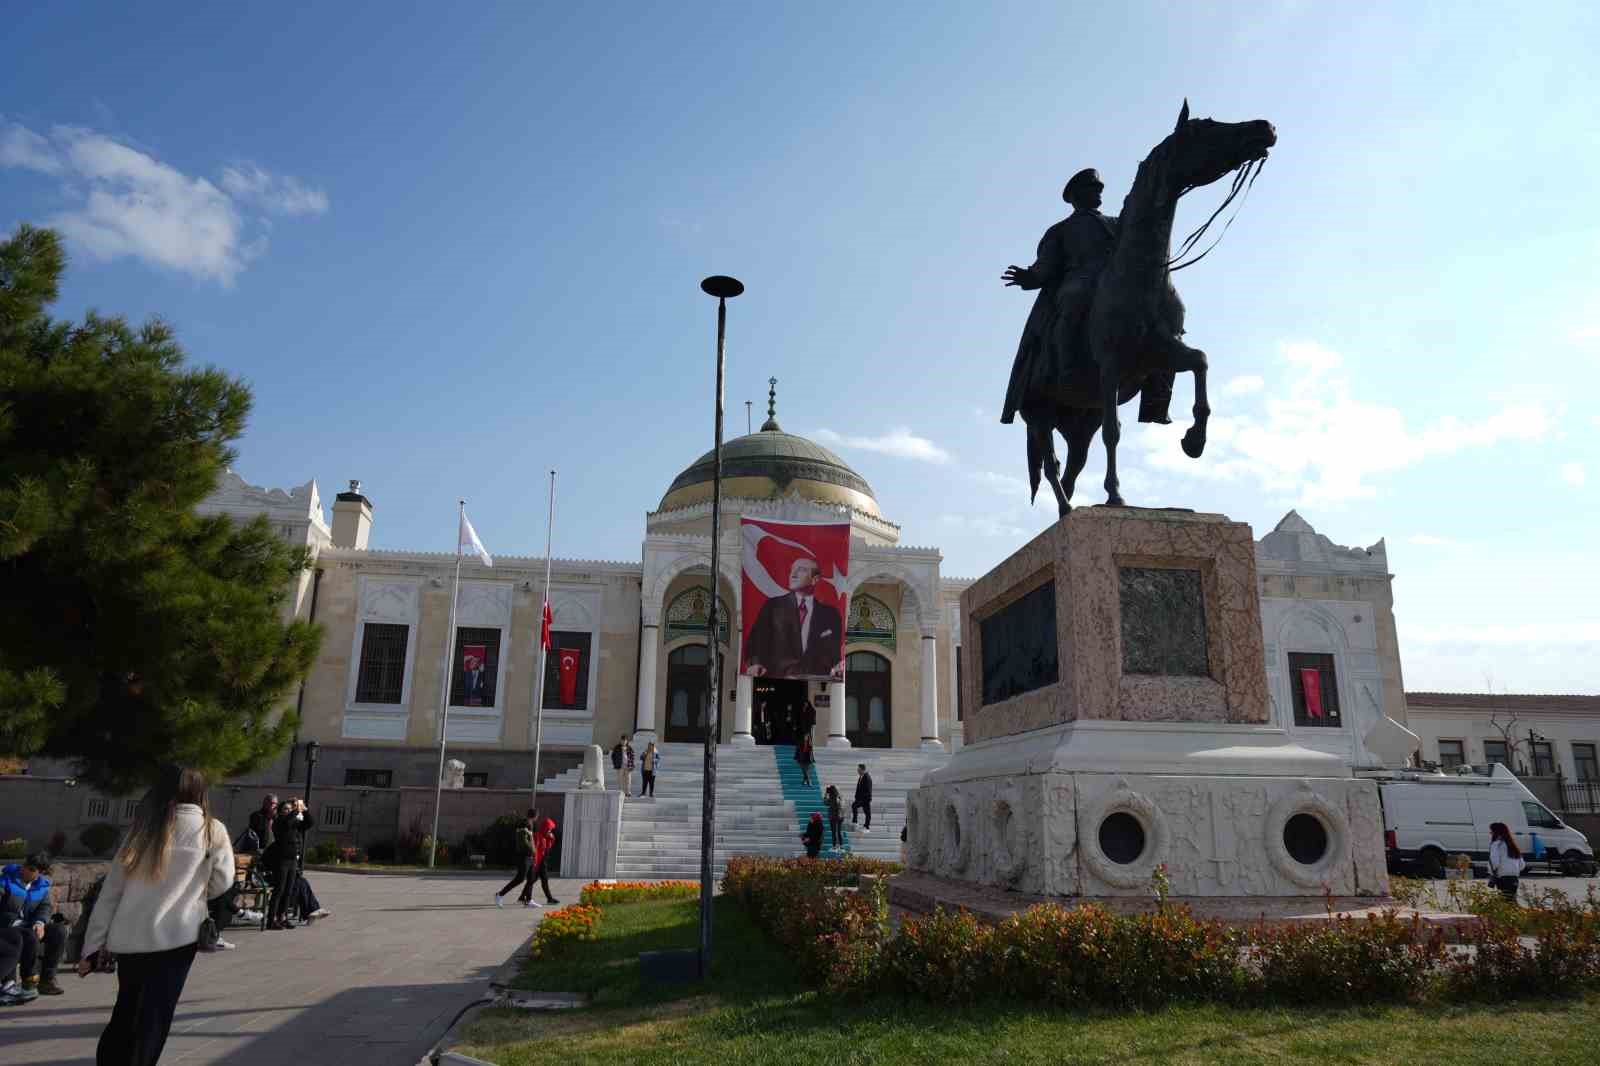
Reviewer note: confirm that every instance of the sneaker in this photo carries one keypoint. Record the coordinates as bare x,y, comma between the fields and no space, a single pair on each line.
552,902
250,916
223,945
322,912
531,903
498,902
22,993
48,987
11,994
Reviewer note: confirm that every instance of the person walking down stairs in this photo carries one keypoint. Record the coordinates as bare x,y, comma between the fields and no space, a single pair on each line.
835,802
804,755
863,803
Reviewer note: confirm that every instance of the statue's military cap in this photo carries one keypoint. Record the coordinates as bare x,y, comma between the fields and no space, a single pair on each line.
1085,177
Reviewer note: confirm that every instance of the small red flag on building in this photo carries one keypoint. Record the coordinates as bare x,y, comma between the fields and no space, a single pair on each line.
544,628
1311,683
567,662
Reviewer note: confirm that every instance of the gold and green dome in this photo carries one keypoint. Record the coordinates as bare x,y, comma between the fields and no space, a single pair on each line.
770,463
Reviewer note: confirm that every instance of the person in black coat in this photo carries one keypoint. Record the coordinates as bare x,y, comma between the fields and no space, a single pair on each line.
812,837
863,803
283,857
257,837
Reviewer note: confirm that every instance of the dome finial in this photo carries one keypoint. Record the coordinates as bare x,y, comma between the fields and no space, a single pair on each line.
771,424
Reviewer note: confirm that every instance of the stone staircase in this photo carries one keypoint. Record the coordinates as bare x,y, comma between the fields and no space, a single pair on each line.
756,814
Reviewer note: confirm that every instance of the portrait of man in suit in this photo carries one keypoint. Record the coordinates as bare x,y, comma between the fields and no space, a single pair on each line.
472,669
796,635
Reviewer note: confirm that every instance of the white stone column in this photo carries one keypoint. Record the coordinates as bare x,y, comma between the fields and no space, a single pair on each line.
836,737
745,688
930,694
644,719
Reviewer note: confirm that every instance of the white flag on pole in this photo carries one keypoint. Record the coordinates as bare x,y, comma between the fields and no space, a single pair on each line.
468,540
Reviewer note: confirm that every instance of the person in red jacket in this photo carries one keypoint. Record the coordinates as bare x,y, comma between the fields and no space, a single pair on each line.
544,841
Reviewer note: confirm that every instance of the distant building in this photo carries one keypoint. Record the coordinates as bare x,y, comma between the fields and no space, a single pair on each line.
1544,736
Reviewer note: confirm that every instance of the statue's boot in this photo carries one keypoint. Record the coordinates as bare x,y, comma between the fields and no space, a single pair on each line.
1155,396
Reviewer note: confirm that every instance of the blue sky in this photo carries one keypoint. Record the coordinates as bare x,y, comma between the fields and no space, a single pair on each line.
454,247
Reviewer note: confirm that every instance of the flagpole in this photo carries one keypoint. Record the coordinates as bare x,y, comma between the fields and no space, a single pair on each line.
538,691
444,686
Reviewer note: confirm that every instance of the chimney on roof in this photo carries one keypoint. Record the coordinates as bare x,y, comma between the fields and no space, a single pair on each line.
352,519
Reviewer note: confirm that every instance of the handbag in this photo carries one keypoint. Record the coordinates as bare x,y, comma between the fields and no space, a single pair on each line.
208,934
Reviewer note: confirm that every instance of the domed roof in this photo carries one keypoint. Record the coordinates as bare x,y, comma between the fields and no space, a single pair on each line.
770,463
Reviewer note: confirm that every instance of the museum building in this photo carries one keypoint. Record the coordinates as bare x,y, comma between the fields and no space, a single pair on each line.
372,699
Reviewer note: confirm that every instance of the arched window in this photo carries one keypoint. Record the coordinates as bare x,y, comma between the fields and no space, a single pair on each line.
868,709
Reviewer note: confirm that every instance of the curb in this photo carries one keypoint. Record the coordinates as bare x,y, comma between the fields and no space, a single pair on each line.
487,871
499,985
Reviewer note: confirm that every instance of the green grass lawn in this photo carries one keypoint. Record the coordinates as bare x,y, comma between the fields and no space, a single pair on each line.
754,1010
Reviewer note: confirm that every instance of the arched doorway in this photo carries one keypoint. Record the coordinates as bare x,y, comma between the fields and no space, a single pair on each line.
867,706
686,693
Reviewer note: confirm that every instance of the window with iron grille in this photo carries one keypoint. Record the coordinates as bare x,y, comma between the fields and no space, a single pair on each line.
1451,754
567,641
333,818
1585,763
1323,708
1494,751
130,807
369,778
479,650
99,807
475,779
383,663
1544,758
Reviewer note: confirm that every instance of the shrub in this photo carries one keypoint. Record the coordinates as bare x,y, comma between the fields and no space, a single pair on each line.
383,851
323,852
1377,959
498,841
605,895
99,838
561,929
15,848
1411,891
947,957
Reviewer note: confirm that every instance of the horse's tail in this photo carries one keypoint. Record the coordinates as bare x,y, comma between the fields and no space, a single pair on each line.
1035,463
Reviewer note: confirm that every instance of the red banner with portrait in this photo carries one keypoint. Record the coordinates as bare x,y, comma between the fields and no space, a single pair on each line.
794,591
474,676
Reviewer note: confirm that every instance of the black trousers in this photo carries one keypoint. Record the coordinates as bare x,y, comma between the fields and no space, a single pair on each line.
10,950
148,987
524,878
544,882
283,879
649,786
866,807
28,951
836,823
1508,887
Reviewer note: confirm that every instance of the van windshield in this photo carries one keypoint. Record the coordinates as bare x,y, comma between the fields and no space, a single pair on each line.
1539,817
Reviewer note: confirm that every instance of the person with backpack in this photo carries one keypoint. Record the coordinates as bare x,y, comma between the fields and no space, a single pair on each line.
27,925
835,804
525,861
149,917
1505,860
804,755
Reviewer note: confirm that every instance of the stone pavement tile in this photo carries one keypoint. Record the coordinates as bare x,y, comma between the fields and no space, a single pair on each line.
377,983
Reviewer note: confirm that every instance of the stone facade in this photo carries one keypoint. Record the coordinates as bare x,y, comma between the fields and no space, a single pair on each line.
1565,732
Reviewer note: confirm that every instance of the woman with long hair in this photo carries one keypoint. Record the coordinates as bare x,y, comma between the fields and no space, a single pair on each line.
282,857
148,915
1505,860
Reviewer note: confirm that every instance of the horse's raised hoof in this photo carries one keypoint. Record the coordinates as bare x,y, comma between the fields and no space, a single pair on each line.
1194,442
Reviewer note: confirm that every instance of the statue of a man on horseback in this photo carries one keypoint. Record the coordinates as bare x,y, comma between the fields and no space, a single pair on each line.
1107,324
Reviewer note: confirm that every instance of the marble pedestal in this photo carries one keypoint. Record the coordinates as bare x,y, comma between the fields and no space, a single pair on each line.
1122,721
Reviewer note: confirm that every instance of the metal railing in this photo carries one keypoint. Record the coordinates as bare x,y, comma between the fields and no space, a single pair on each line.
1581,797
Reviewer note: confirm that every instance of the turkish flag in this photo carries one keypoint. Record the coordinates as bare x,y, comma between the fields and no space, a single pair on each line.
1311,683
567,662
793,595
544,628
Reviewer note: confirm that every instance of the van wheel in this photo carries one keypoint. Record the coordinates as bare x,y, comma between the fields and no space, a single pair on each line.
1574,863
1432,862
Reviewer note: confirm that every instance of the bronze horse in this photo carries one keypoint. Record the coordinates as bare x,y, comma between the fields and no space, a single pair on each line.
1135,324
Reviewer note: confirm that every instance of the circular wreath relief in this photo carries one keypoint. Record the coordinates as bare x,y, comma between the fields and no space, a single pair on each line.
1010,852
1305,801
916,834
957,838
1136,874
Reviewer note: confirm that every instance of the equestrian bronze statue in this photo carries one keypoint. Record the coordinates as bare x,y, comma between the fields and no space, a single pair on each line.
1107,324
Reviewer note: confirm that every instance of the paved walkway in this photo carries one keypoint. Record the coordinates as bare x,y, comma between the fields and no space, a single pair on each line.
378,982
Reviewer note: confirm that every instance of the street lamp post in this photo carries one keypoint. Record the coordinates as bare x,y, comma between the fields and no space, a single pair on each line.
312,748
724,289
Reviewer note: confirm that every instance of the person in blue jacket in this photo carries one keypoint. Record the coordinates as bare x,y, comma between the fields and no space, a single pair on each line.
25,928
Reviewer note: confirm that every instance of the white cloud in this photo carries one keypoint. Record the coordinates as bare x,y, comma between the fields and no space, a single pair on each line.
1572,474
899,442
1553,656
281,194
1586,333
1244,385
1317,441
128,203
984,526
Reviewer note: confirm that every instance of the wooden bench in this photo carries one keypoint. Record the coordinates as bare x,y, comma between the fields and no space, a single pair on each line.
253,886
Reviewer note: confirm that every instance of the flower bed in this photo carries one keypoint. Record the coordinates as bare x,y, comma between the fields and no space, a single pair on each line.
1087,955
603,894
559,930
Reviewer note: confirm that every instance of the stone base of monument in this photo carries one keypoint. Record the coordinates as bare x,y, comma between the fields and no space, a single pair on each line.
1121,722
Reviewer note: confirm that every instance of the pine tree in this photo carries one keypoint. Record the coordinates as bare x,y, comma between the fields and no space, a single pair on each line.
132,630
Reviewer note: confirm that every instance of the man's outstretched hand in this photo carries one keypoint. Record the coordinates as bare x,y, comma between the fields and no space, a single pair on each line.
1019,276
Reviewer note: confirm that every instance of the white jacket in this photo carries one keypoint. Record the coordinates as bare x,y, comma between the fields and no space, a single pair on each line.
134,914
1502,864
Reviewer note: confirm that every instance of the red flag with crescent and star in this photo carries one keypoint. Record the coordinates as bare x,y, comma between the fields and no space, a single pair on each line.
567,660
1311,684
793,595
544,628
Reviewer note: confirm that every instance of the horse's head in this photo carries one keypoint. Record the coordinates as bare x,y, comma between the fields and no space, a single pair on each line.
1201,150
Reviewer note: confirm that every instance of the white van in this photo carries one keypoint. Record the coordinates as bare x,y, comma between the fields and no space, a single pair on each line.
1428,816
